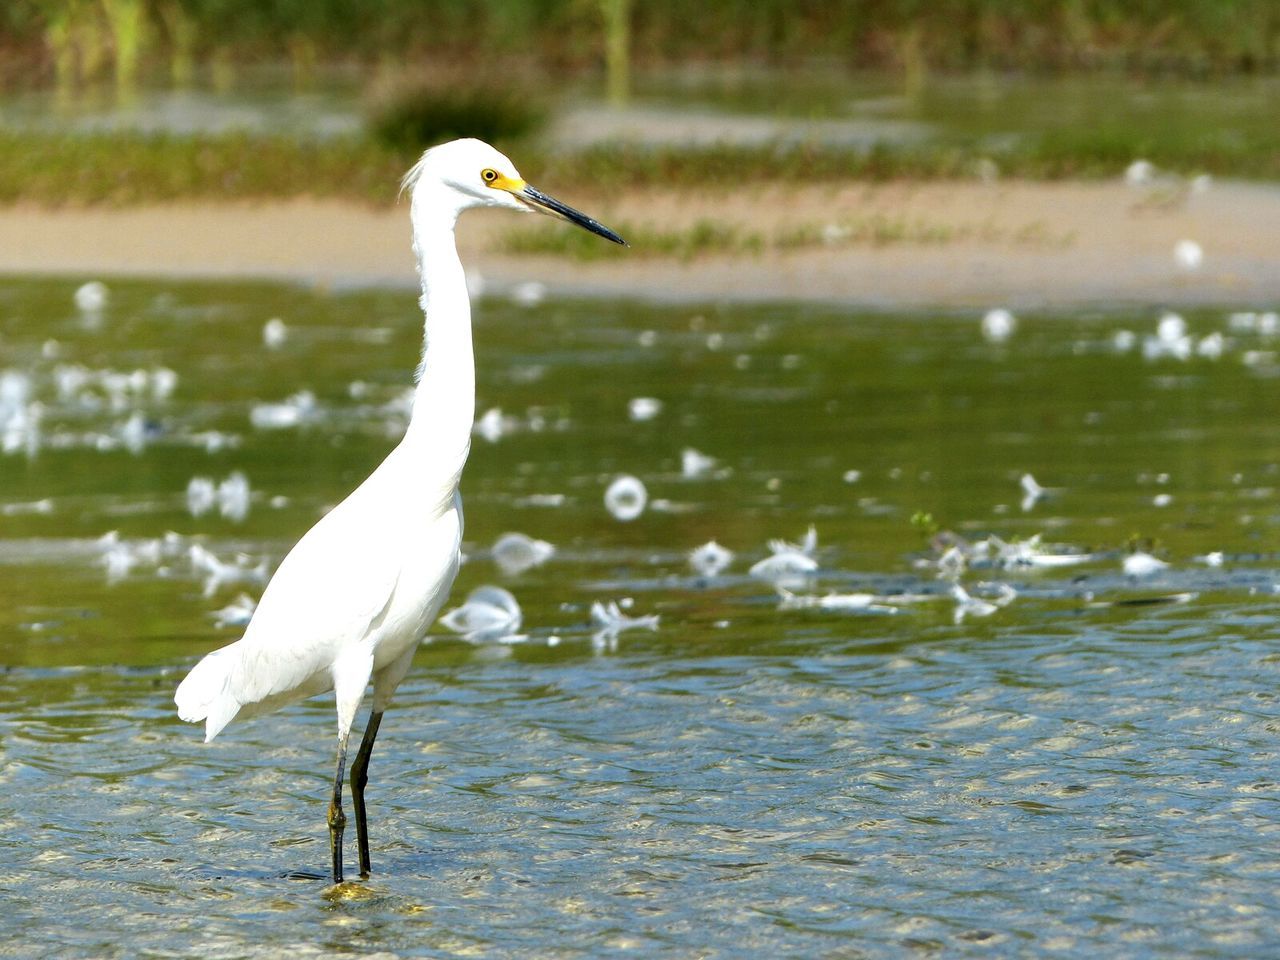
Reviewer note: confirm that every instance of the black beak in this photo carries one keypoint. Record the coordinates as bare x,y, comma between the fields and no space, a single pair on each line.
544,204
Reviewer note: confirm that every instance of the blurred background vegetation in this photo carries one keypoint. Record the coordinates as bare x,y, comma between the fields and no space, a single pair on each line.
427,70
41,38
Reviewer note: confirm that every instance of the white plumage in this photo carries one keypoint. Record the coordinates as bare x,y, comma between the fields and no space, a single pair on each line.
360,589
354,597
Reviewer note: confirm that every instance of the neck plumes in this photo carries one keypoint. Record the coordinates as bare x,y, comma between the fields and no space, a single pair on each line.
445,399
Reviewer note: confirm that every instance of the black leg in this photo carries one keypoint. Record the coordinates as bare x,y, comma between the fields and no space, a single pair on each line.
337,819
359,777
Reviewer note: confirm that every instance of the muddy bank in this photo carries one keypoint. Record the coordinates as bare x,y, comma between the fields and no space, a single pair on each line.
965,245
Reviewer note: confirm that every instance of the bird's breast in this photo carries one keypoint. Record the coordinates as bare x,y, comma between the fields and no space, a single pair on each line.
428,565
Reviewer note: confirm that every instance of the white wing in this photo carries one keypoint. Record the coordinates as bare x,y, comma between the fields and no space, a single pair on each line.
330,590
339,582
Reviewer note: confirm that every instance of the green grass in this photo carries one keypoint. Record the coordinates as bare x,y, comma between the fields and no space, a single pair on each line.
880,230
1053,155
708,238
704,237
60,169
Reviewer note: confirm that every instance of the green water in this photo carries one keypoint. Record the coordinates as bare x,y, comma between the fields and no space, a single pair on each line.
989,101
1081,771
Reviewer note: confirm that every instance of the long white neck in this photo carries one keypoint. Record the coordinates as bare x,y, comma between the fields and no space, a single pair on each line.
439,434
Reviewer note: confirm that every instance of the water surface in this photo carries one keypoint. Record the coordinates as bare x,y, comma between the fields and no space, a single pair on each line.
1119,116
1087,768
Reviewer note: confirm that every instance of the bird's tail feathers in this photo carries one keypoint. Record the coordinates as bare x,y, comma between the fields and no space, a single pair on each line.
206,695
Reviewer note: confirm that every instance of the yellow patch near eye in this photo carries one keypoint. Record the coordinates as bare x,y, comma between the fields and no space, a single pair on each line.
500,182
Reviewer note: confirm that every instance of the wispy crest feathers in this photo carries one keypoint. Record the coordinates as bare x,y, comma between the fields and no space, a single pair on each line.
410,179
467,147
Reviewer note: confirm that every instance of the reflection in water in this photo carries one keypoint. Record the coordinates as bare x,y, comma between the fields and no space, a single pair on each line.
966,726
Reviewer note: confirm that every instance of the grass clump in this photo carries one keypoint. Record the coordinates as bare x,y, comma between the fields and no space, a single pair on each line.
418,115
713,237
882,230
703,237
877,230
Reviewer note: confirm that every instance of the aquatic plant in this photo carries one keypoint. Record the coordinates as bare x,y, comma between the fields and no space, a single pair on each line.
419,114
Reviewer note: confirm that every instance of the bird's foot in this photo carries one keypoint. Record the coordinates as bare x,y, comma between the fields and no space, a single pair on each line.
346,891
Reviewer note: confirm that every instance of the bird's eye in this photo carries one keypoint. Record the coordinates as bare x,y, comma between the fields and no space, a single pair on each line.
489,175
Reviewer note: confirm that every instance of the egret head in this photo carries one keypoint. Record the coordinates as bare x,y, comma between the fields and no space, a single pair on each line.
474,174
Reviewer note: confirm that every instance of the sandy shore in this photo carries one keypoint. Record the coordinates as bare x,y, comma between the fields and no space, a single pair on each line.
969,245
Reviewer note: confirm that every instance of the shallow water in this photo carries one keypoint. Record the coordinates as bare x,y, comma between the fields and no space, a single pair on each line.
990,105
702,105
1087,768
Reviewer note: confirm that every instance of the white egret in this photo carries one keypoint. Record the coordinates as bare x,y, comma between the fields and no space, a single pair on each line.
353,598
